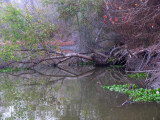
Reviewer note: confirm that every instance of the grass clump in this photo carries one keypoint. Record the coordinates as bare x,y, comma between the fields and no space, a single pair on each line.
136,94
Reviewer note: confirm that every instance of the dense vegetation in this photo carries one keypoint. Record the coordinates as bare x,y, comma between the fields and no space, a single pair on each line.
20,28
136,94
137,22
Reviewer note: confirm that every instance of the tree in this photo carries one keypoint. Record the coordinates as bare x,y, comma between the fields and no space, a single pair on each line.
83,16
20,28
137,20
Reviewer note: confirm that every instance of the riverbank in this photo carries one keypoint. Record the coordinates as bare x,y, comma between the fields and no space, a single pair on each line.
133,62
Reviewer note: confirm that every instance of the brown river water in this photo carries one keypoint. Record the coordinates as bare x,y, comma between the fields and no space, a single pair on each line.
69,94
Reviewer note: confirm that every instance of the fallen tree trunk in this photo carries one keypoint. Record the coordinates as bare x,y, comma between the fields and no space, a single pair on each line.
120,55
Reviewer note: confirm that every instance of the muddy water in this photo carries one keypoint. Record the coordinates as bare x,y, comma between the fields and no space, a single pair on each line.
69,94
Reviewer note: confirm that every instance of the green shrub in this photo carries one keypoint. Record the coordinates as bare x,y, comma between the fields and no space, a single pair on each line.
21,28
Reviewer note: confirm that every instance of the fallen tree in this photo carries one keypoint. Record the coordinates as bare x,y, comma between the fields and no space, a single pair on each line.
144,60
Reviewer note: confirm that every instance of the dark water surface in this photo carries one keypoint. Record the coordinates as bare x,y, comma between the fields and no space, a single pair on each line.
69,94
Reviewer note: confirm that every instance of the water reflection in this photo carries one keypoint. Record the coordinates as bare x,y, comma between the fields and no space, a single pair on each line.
73,94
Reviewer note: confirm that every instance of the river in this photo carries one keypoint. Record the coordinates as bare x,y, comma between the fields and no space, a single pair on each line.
69,94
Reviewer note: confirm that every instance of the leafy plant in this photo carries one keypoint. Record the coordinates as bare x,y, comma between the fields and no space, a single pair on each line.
21,28
111,59
137,94
86,63
138,75
12,70
117,66
7,52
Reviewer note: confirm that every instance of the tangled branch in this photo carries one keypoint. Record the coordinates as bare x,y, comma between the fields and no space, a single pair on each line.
136,20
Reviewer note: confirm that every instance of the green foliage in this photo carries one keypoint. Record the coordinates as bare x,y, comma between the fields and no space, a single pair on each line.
67,8
22,28
71,9
20,25
7,52
111,59
120,88
88,63
137,94
138,75
12,70
117,66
